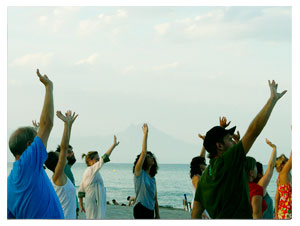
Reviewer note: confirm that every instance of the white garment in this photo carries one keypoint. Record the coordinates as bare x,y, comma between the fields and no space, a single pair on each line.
67,198
95,192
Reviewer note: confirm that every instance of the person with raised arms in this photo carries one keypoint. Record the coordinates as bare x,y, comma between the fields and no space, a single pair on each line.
56,162
144,169
223,187
92,185
30,194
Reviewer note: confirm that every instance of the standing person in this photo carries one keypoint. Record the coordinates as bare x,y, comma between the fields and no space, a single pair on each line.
256,192
30,194
223,187
56,162
70,162
283,197
263,179
198,165
144,170
92,186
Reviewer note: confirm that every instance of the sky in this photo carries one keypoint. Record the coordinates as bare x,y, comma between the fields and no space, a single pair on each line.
177,68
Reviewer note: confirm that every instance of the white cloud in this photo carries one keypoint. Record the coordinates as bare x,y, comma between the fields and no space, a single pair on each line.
127,69
269,23
58,19
111,24
166,66
162,29
90,60
32,59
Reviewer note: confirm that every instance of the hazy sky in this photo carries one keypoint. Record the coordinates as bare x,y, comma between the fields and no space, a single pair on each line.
177,68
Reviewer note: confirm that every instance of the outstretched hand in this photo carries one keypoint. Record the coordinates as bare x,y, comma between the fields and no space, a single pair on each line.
201,136
68,118
116,143
223,122
236,137
270,143
145,128
36,125
273,88
44,79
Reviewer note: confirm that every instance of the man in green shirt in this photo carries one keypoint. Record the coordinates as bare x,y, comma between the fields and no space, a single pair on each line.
223,188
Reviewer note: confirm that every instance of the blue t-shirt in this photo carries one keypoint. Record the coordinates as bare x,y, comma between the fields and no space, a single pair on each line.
30,194
145,190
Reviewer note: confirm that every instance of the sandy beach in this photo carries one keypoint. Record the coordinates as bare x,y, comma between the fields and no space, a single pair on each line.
114,212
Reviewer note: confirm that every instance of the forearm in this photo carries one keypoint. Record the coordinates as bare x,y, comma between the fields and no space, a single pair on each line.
202,153
109,151
144,146
47,115
257,125
65,139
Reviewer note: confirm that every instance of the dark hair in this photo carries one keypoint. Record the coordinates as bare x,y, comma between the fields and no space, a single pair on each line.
195,166
260,172
128,197
58,148
154,168
51,161
251,163
259,167
19,139
89,156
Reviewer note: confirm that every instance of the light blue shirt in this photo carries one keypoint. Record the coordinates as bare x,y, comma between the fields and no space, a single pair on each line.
30,194
144,186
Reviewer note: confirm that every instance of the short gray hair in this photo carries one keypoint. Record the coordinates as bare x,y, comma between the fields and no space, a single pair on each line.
18,140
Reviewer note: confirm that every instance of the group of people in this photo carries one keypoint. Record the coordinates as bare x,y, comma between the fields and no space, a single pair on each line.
260,201
232,186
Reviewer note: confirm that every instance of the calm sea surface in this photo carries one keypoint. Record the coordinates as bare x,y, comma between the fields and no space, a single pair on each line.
172,180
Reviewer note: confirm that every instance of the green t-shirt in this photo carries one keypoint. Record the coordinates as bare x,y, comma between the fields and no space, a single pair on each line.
223,187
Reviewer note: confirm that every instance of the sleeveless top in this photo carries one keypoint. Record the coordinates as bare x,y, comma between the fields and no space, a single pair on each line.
67,198
285,201
144,186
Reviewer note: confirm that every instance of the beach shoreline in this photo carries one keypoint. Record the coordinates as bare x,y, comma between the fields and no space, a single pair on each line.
118,212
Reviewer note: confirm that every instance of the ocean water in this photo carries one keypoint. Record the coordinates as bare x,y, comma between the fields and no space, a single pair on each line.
172,180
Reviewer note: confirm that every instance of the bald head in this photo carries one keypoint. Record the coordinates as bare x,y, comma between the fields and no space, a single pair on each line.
21,139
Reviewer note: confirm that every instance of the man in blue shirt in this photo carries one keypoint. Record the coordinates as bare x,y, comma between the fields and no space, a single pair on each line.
30,194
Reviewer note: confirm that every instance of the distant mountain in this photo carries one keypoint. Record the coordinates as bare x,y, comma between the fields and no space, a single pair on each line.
166,148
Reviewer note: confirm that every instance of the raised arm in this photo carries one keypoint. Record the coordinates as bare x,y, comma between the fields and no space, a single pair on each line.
265,180
261,118
140,162
285,171
46,119
68,120
202,152
115,144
